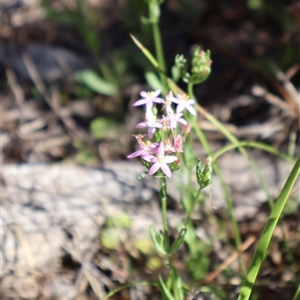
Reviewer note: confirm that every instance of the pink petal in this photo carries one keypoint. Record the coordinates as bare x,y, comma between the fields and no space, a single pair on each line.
191,110
182,121
144,94
156,93
166,170
141,125
140,102
191,101
151,132
149,158
136,154
161,149
180,108
154,169
170,159
158,100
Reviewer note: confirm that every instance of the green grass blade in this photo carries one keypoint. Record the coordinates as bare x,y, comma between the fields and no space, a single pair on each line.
297,294
262,247
251,144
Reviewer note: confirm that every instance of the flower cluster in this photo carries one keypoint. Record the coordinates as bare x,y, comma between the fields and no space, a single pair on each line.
160,151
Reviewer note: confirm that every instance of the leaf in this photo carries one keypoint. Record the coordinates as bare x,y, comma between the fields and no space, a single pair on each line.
97,84
166,293
153,81
264,241
179,241
104,128
158,240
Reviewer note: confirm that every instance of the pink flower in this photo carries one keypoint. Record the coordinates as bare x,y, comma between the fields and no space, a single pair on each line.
178,144
148,99
184,103
169,144
145,149
160,161
168,103
151,123
176,147
187,128
175,118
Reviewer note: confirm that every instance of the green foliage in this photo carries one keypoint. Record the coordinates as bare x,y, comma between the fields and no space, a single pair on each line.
204,175
179,240
103,127
262,247
84,156
255,4
97,84
112,238
84,20
158,240
165,290
145,246
115,232
153,81
200,67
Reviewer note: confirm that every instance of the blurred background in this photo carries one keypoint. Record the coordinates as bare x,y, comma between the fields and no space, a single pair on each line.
70,72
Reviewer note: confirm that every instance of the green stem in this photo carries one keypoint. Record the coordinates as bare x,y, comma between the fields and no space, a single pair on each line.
188,217
205,144
163,199
190,91
159,53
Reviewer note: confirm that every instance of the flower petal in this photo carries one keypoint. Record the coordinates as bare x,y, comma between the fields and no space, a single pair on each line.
140,102
166,170
169,159
135,154
149,158
154,169
141,125
191,110
144,94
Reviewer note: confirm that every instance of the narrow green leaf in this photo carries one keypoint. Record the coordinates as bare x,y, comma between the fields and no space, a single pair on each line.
262,247
153,81
177,285
97,84
179,241
158,240
166,293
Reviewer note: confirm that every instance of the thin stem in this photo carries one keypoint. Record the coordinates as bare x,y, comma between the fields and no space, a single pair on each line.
190,91
163,199
188,217
159,53
205,144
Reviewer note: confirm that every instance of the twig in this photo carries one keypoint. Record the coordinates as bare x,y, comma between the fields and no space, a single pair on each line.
70,126
210,277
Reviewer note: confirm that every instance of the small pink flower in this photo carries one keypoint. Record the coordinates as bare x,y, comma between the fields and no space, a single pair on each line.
187,128
169,144
145,149
176,147
160,161
168,103
175,118
184,103
148,99
150,122
178,143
